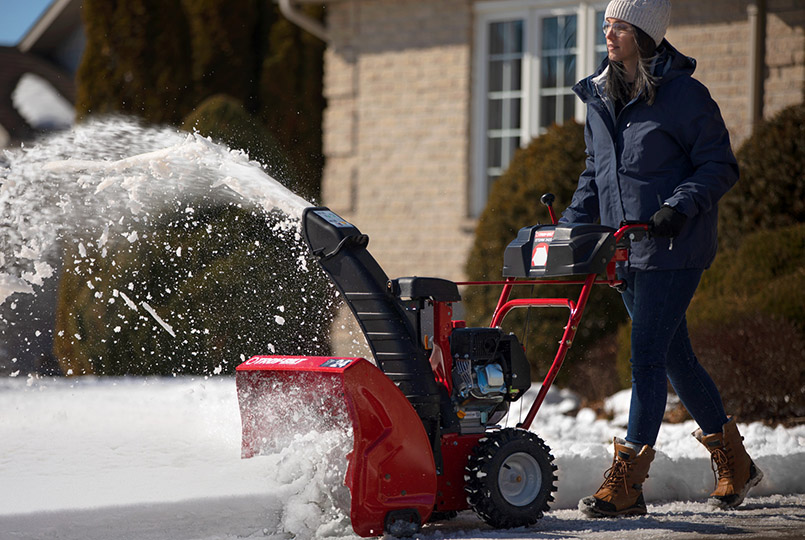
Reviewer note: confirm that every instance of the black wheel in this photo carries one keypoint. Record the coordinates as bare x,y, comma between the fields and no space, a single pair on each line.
510,478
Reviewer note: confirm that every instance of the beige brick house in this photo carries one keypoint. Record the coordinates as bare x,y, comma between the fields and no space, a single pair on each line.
427,99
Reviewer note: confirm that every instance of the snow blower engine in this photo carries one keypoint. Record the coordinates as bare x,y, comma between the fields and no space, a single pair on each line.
425,413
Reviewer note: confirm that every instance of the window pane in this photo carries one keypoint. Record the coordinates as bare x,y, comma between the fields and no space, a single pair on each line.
503,114
547,111
494,113
512,144
505,75
495,76
569,107
550,33
570,70
514,115
494,152
548,79
506,37
497,38
515,75
568,34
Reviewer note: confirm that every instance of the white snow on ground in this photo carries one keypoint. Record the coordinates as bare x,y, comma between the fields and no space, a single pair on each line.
137,459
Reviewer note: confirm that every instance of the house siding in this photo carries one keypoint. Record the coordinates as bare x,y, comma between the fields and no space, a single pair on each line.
398,83
717,34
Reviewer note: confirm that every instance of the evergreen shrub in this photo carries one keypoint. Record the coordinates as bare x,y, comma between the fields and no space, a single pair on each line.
747,324
771,191
225,282
135,61
223,118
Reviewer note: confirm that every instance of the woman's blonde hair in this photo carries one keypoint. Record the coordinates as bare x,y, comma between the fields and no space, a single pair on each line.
617,87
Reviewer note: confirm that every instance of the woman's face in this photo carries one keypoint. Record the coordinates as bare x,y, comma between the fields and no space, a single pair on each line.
621,41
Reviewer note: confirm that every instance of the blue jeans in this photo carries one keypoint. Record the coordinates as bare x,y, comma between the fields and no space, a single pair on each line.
656,302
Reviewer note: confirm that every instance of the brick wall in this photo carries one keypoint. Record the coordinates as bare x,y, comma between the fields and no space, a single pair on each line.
717,34
397,129
785,55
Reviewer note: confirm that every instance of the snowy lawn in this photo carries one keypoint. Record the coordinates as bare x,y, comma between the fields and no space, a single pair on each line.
136,459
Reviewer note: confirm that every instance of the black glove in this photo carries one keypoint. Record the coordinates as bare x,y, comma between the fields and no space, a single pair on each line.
667,222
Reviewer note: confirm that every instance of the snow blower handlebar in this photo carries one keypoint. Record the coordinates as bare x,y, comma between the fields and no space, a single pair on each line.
563,250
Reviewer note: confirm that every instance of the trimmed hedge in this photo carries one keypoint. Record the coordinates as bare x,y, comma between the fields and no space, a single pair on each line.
771,191
747,326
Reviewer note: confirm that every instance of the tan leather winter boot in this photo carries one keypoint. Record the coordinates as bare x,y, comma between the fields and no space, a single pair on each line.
621,494
735,470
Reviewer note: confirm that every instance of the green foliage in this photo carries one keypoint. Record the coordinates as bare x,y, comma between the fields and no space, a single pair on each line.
756,361
771,191
227,283
224,56
765,275
747,326
224,119
161,60
291,96
551,163
135,60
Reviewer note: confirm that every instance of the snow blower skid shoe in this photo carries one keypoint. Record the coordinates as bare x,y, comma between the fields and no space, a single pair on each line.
391,474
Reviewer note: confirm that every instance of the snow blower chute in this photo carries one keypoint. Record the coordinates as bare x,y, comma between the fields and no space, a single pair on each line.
425,416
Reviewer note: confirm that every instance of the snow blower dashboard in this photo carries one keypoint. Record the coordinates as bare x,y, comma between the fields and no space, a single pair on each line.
559,250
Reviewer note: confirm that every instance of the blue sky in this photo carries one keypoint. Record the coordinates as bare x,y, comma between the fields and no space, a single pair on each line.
17,17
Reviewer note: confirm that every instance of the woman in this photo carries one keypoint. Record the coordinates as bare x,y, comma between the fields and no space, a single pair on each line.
658,152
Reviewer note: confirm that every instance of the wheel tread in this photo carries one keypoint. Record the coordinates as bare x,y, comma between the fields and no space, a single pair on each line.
482,491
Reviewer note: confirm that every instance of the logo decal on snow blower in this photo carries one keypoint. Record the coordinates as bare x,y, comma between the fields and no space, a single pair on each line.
338,362
333,219
539,255
275,360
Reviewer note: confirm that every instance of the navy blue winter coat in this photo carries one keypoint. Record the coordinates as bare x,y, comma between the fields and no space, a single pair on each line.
675,151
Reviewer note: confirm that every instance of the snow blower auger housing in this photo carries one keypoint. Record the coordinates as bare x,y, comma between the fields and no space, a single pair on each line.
425,415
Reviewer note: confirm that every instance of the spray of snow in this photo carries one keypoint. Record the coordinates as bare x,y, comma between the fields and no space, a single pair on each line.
158,319
105,174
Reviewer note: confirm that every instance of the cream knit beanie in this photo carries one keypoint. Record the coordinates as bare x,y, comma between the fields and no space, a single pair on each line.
651,16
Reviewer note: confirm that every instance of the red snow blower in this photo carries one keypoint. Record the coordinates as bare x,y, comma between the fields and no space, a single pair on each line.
425,416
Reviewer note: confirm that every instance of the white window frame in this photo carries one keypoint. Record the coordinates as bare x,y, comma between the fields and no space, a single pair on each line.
530,12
